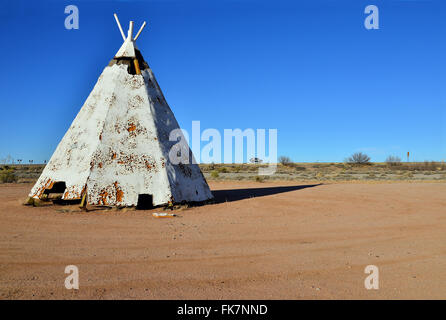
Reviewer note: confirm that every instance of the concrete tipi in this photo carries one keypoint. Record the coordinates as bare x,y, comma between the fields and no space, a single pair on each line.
117,151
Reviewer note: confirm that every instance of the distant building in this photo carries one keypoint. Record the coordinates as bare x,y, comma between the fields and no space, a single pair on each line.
255,160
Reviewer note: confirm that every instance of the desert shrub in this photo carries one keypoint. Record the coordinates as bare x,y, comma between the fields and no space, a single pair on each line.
434,165
393,160
408,174
358,158
260,178
214,174
7,175
321,165
300,168
222,170
284,160
424,166
254,168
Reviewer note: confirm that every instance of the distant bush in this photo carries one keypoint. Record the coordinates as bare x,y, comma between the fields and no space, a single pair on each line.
260,178
393,160
300,168
284,160
214,174
7,175
359,158
433,165
222,170
321,165
424,166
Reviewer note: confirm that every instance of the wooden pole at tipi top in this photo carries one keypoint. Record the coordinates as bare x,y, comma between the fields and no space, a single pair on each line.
130,38
119,26
130,31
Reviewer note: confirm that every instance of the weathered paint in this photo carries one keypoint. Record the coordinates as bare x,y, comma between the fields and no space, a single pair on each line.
127,49
118,147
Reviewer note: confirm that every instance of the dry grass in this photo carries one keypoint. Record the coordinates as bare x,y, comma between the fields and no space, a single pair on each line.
317,172
7,174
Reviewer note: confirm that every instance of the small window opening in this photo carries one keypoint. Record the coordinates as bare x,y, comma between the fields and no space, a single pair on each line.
145,202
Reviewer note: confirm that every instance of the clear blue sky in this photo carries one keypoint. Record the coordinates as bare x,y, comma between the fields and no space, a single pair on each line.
308,68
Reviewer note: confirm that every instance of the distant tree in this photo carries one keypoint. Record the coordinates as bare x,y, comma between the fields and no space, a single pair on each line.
358,158
7,160
284,160
393,160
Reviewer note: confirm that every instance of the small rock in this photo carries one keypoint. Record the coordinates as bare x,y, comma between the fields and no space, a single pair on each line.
29,201
40,203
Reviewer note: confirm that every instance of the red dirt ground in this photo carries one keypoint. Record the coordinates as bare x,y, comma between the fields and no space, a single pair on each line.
276,241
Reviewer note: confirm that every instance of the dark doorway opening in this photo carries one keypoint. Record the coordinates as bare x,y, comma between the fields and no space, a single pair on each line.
58,187
145,202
